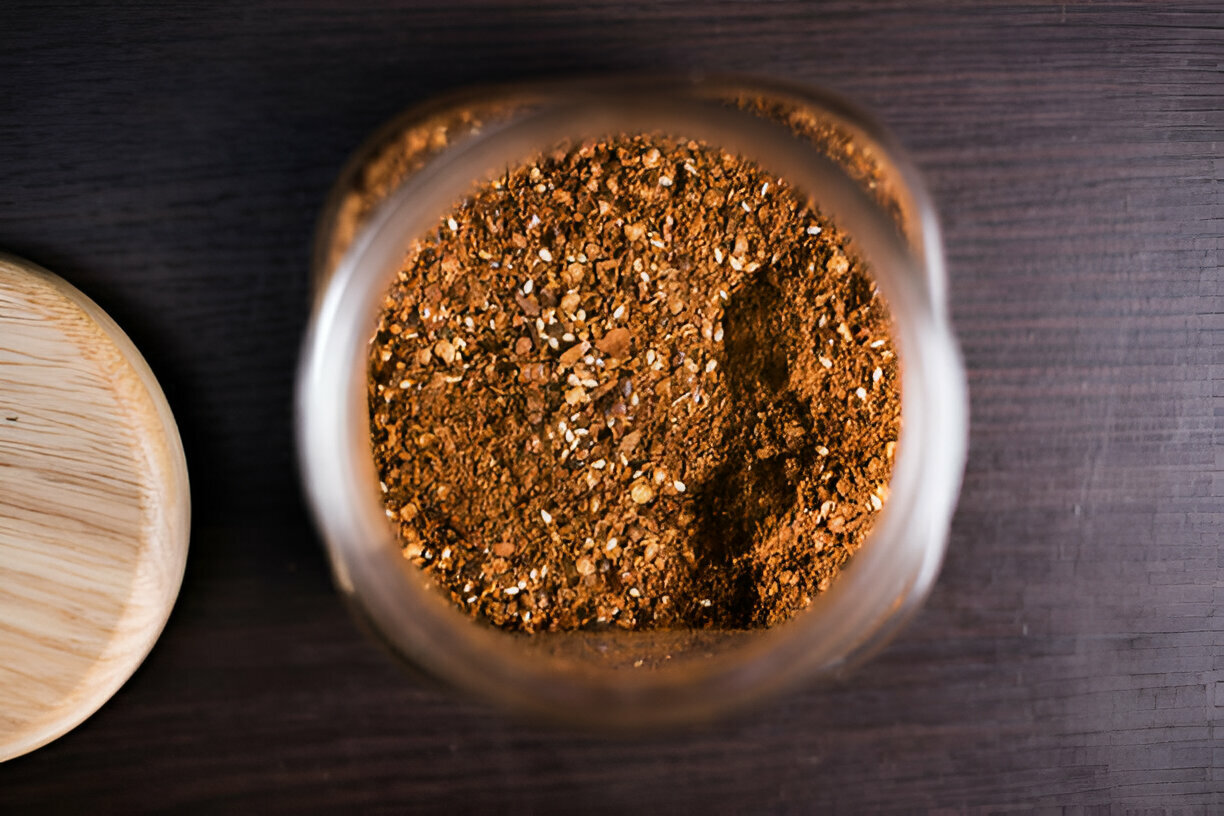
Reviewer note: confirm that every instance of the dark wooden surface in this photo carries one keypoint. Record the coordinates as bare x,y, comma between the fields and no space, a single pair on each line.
170,161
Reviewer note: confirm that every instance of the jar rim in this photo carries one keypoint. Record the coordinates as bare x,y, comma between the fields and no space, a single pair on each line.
905,546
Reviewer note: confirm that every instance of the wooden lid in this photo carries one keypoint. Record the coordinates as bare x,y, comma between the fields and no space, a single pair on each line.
94,507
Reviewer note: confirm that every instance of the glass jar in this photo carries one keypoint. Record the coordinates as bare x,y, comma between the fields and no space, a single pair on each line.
398,187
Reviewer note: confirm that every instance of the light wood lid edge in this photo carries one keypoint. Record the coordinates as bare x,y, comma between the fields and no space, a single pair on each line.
150,558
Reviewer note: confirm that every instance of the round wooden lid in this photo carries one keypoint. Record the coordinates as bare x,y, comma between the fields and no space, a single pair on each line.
94,507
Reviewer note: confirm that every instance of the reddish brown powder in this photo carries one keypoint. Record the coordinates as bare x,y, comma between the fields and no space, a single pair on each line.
639,383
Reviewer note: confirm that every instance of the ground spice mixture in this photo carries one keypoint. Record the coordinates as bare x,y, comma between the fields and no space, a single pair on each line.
639,383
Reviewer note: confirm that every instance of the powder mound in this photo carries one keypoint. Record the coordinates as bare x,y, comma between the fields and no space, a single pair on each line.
638,383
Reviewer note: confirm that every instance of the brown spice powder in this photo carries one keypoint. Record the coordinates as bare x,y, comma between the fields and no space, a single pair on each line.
639,383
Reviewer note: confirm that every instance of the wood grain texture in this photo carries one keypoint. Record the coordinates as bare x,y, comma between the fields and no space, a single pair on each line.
171,159
93,508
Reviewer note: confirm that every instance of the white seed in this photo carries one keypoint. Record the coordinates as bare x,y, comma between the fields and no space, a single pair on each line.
665,181
453,224
544,514
861,393
826,362
711,365
876,504
528,286
877,375
633,593
512,590
679,485
545,255
813,230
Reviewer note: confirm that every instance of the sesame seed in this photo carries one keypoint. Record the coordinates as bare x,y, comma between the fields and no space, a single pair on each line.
545,255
